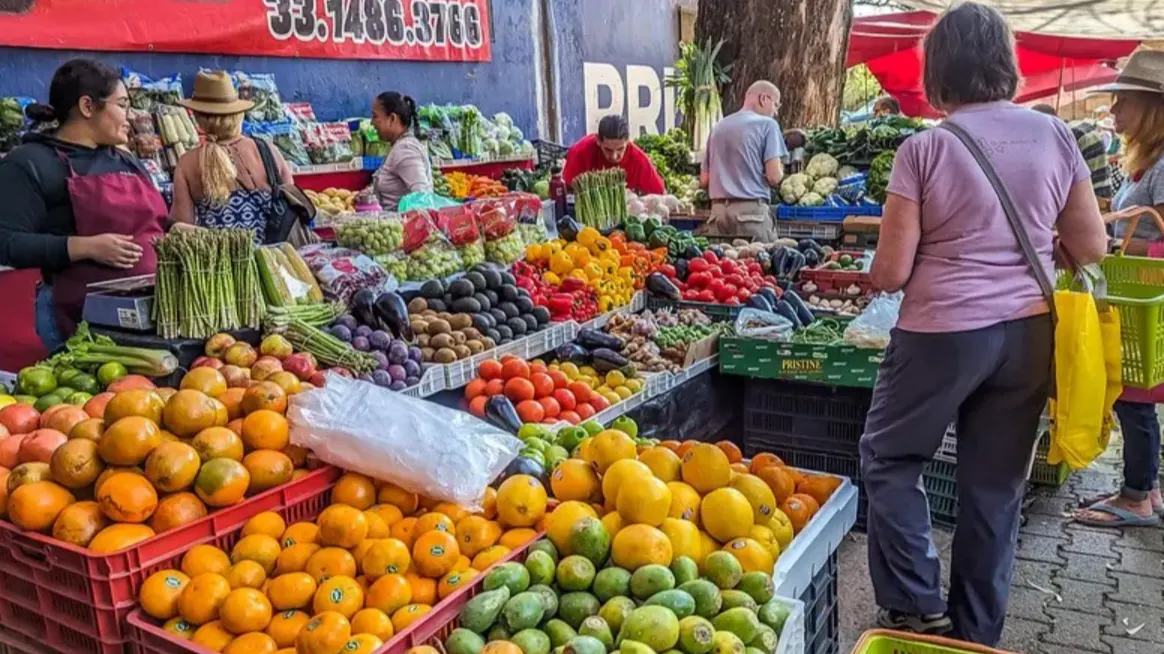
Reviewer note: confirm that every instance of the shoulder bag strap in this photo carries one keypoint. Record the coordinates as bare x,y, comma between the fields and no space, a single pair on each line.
1008,208
269,167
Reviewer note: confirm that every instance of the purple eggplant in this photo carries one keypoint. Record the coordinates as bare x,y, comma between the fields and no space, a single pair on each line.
573,353
363,307
392,314
523,466
500,413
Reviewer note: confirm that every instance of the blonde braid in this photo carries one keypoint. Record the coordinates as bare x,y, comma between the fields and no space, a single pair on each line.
218,170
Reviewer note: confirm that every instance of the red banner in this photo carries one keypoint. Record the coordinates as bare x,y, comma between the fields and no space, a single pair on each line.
416,30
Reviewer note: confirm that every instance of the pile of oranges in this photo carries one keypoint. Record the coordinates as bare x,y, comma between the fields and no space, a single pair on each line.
377,559
144,460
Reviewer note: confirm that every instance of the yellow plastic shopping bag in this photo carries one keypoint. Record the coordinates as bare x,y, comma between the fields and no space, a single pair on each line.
1088,374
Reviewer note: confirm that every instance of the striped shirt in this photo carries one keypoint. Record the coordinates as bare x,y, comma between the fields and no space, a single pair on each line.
1095,154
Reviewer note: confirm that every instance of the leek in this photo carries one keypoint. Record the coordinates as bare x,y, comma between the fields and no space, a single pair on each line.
84,350
698,77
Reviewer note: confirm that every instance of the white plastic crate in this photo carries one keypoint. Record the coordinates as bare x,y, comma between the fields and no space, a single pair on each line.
432,381
809,552
808,229
792,635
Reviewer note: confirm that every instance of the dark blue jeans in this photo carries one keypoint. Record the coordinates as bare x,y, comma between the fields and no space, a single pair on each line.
1141,430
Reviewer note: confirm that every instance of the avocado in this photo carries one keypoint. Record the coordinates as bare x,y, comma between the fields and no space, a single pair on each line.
523,292
462,288
492,295
432,289
509,309
493,279
448,298
517,325
438,305
509,293
482,322
524,305
507,278
505,331
531,323
477,280
493,335
498,315
542,314
466,305
483,300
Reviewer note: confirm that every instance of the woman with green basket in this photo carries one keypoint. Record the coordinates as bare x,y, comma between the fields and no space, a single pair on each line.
1138,113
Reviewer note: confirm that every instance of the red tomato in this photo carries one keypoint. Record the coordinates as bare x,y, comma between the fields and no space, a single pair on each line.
550,406
519,390
707,295
543,385
514,367
477,406
728,266
494,387
536,367
586,411
743,294
711,257
531,411
697,265
732,301
560,378
581,391
475,388
570,417
565,399
734,279
599,403
490,369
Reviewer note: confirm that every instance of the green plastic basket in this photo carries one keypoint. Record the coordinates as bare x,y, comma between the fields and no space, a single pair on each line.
893,642
1135,287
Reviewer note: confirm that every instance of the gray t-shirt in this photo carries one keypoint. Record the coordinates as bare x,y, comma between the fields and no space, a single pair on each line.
737,149
1148,192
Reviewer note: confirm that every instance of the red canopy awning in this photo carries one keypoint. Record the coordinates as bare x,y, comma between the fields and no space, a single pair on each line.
890,46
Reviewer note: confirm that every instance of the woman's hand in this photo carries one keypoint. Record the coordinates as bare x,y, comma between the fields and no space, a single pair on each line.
113,250
178,227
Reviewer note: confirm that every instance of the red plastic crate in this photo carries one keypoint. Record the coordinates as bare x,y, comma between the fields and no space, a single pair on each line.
53,592
837,280
150,638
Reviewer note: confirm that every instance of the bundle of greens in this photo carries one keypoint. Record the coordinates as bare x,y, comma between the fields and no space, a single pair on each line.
671,155
859,145
698,77
879,176
87,351
206,282
600,198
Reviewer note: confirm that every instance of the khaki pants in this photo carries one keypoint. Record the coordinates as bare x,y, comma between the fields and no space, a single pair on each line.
741,218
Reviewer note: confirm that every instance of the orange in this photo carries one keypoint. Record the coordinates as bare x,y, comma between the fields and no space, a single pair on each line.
403,531
264,395
285,627
179,628
575,479
75,464
126,497
763,460
340,594
377,528
521,501
176,510
404,617
343,526
203,559
759,495
330,562
300,532
246,574
172,467
500,647
266,430
252,643
232,400
92,430
144,403
684,502
611,445
435,553
455,513
295,558
454,581
434,522
259,548
663,463
362,644
386,557
204,380
404,500
268,469
160,592
812,504
779,482
213,636
245,610
489,556
326,633
267,523
727,514
293,590
222,482
752,555
731,450
389,513
423,589
515,538
643,500
475,533
389,593
218,443
797,511
360,550
188,412
203,597
353,489
706,468
818,487
373,621
639,545
128,441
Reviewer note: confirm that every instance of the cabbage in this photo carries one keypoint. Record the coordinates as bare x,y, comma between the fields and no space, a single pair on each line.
501,133
515,133
504,148
503,118
489,145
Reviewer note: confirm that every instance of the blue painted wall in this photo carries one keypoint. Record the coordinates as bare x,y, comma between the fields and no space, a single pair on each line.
617,32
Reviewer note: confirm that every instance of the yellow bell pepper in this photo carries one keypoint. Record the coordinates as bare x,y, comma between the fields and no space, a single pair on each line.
551,278
534,252
587,236
593,270
561,263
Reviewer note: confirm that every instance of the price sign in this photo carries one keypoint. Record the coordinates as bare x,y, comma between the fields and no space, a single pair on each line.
420,30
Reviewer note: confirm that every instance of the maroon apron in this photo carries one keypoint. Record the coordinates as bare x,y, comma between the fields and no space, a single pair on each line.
119,203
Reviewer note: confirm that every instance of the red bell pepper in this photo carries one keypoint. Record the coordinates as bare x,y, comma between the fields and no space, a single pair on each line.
699,279
668,270
571,284
706,295
711,257
561,303
697,265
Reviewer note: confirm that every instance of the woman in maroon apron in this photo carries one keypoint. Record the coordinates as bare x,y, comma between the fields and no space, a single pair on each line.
76,205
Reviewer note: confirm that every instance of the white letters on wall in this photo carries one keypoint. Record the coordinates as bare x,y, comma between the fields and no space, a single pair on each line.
596,76
643,113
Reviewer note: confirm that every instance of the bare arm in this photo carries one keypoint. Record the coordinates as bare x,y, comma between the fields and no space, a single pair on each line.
897,245
1080,225
182,210
774,171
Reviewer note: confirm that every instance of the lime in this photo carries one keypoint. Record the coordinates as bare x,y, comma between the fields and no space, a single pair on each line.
47,402
64,375
85,383
38,382
79,398
25,399
110,372
5,400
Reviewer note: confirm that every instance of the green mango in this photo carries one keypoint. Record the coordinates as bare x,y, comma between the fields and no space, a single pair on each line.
559,632
758,585
740,621
531,641
654,626
523,611
615,610
511,575
680,603
481,612
464,641
651,579
611,582
573,608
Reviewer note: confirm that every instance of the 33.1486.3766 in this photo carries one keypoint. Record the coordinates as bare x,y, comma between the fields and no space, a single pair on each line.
433,22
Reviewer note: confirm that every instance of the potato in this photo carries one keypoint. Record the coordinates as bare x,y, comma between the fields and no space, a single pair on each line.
445,355
440,341
439,326
488,342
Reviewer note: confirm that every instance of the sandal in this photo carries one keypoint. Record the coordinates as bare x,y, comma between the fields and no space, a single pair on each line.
1124,517
1088,502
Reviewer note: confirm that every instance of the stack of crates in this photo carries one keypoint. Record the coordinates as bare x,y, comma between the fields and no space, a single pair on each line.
817,427
822,623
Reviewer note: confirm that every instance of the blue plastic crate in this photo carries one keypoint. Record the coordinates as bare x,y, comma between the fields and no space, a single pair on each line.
825,214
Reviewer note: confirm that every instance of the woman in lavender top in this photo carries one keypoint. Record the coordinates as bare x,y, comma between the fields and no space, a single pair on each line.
973,345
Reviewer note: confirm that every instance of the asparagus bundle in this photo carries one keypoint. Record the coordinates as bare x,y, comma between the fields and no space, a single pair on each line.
600,198
327,348
206,283
315,315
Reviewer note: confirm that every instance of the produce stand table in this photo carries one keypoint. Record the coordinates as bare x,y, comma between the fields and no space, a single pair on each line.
185,349
357,173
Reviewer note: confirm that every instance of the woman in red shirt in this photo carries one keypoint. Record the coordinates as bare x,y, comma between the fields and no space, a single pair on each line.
611,148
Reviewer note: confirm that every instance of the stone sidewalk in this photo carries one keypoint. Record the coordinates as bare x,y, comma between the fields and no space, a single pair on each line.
1075,589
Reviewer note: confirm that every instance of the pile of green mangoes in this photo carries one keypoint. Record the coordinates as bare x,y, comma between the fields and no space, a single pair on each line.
372,236
574,605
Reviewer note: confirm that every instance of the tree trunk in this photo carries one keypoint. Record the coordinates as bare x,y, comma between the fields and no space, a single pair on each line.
799,45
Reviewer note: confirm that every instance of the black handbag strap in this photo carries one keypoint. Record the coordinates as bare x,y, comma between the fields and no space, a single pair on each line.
269,167
1008,208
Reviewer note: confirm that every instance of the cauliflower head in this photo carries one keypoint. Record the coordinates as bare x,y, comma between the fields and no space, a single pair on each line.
825,186
793,187
811,199
822,165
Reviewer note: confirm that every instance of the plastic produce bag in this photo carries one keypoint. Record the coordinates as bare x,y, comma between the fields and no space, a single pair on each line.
146,94
528,208
430,253
498,220
341,272
461,224
873,327
753,323
444,454
424,200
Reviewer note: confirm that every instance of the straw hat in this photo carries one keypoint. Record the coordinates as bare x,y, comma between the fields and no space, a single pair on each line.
1143,72
214,94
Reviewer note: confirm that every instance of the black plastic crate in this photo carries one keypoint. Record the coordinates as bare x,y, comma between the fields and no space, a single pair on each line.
821,617
802,416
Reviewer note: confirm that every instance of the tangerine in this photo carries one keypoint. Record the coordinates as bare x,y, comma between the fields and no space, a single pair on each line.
205,380
285,626
176,510
435,553
386,557
489,556
245,610
179,628
259,548
79,523
797,511
264,395
266,430
160,592
475,533
203,597
300,532
342,526
434,522
326,633
188,412
330,562
172,466
403,531
76,464
377,528
515,538
246,574
818,487
373,621
222,482
143,403
731,450
423,589
293,590
362,644
353,489
404,500
212,636
404,617
779,482
295,558
340,594
763,460
202,559
454,581
268,523
252,643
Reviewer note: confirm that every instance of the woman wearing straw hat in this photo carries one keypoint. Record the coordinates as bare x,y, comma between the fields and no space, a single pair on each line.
223,183
1138,114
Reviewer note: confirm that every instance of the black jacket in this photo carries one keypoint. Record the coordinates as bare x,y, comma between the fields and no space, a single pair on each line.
36,213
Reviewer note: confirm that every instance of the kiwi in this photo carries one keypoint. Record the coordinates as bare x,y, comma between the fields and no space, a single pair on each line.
471,333
423,340
428,313
461,321
427,353
445,355
444,315
417,305
475,346
459,338
463,351
488,342
440,341
419,325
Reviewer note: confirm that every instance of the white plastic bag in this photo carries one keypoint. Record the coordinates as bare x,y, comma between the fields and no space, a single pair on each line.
872,328
441,453
754,323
